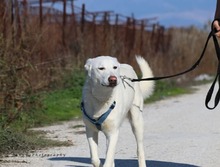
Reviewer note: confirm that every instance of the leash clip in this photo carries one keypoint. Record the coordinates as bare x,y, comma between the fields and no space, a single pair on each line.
125,77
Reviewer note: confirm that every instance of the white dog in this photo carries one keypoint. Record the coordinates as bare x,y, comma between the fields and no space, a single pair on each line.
108,97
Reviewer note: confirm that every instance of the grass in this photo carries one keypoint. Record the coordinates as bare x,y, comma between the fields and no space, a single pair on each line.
166,89
58,105
64,104
61,105
15,142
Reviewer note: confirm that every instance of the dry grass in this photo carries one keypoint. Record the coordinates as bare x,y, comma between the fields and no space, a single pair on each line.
35,58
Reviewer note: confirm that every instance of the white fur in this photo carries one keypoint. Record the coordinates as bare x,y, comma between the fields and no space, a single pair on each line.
99,94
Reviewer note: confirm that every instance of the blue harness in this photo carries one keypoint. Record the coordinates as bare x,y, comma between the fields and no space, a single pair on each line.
98,122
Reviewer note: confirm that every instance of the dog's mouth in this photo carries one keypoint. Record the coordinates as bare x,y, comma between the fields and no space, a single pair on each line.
112,82
110,85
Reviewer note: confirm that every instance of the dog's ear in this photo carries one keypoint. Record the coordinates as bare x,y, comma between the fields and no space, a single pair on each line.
88,66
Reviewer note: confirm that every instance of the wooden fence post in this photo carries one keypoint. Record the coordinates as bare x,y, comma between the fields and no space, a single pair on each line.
133,35
116,25
116,28
25,14
105,32
3,17
83,18
64,23
11,15
94,33
17,22
141,36
127,32
41,12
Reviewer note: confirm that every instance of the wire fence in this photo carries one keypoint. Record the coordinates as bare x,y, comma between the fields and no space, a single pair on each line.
41,40
82,33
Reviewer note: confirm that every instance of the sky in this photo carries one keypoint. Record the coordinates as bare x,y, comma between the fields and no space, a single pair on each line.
169,13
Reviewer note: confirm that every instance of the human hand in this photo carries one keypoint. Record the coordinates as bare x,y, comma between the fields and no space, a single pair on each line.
217,27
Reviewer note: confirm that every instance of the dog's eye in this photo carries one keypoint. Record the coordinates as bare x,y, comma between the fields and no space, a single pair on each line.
101,68
115,67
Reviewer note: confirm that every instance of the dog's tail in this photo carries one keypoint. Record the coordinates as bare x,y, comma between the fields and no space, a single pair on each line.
147,87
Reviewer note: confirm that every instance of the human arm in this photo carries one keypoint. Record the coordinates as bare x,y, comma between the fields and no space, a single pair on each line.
216,23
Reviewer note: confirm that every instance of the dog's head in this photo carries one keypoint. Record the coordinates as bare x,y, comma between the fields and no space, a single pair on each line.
103,70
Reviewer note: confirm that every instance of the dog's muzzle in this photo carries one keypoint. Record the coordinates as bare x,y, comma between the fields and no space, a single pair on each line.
112,81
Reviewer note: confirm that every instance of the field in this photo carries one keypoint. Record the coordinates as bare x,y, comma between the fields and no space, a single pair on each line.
41,62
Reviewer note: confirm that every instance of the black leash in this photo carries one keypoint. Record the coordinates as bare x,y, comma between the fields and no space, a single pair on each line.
217,78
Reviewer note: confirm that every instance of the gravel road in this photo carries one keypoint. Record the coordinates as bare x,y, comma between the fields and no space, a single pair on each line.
179,132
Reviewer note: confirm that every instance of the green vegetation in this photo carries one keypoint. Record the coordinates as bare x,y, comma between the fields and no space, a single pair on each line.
166,89
14,142
39,85
61,105
58,105
64,104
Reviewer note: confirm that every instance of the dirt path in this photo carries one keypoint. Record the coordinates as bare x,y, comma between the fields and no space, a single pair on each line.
179,132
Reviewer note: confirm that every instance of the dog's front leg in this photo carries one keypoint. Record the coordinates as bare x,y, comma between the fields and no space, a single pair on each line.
92,137
137,124
112,139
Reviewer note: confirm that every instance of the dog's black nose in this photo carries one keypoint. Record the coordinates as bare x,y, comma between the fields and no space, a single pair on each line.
112,81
